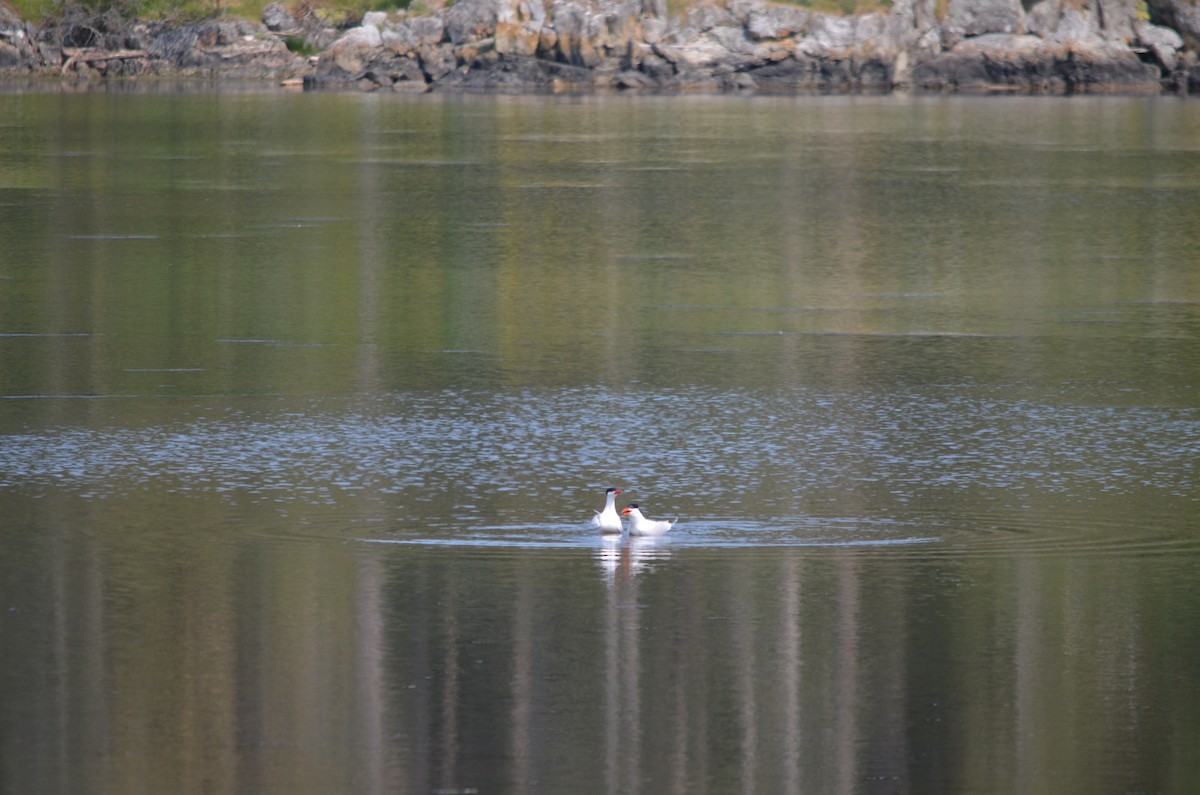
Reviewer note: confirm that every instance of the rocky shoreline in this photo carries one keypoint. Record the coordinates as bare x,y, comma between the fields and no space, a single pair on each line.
521,46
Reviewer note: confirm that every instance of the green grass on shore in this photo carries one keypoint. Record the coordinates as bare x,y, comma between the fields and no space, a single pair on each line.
190,10
184,10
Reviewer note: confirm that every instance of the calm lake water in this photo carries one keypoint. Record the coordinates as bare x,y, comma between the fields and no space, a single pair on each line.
306,402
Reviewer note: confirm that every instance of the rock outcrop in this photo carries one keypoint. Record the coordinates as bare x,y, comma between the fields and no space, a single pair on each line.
1049,46
75,46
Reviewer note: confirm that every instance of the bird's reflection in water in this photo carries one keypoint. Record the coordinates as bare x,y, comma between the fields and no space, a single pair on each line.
622,558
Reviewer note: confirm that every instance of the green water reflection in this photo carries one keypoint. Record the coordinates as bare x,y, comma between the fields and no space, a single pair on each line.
333,244
305,401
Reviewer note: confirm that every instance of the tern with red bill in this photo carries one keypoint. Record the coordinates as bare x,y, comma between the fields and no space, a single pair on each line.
639,525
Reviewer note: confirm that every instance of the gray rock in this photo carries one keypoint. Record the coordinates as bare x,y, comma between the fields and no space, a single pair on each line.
655,8
1187,78
518,75
699,54
707,16
11,26
398,40
874,74
471,20
967,18
718,45
398,73
1074,25
653,30
1067,23
519,39
776,22
530,11
369,70
736,42
1042,17
426,30
805,73
622,23
437,62
630,79
1107,67
1163,42
10,56
1157,36
990,62
578,39
239,29
826,34
519,25
1116,19
739,81
646,59
1183,16
408,69
365,36
278,19
740,10
912,28
374,19
869,32
1030,63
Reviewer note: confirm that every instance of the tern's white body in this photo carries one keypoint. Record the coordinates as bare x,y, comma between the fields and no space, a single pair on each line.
608,520
639,525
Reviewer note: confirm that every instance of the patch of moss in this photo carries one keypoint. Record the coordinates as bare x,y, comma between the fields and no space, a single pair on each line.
849,7
299,46
179,10
342,11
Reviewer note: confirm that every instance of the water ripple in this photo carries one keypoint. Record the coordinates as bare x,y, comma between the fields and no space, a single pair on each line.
769,466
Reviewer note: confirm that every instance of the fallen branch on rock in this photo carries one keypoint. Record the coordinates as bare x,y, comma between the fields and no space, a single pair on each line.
90,55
